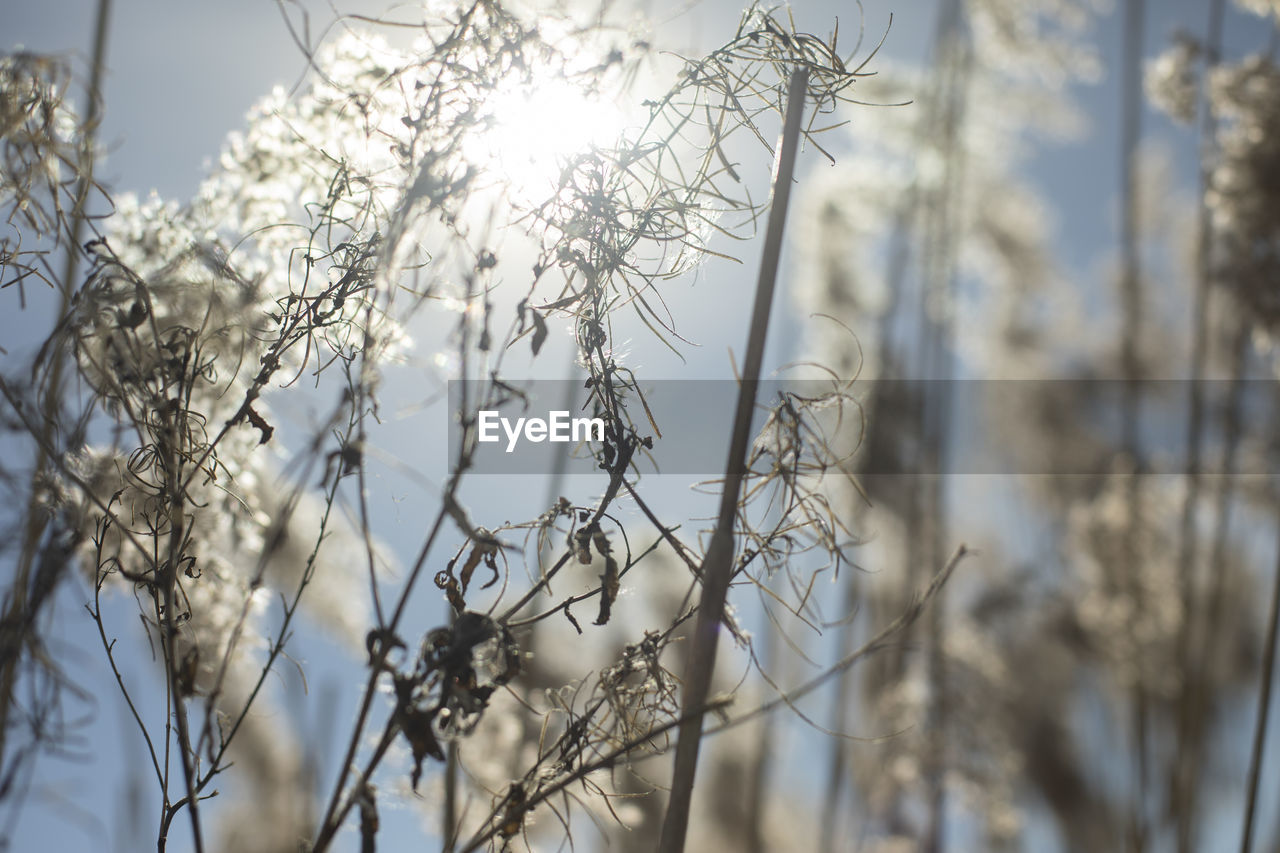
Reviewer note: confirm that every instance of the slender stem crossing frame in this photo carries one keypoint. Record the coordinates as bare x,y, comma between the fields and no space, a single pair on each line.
717,565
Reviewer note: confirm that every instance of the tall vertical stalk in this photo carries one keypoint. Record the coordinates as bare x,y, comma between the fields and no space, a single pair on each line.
1131,104
936,345
21,606
1210,641
717,565
1182,796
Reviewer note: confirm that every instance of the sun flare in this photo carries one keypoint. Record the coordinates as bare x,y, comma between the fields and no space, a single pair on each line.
536,126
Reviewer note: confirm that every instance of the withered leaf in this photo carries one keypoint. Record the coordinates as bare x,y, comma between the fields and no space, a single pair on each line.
513,812
456,601
601,541
608,590
486,550
469,567
581,543
368,819
539,331
137,313
260,423
416,725
491,562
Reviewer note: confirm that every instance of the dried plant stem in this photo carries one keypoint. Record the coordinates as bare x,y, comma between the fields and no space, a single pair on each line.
166,573
717,566
449,809
837,766
18,609
1130,294
109,647
937,344
338,807
1264,711
880,641
1210,641
101,26
277,647
1183,797
609,760
179,713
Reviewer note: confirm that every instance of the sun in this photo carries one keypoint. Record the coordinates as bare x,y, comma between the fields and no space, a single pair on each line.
536,126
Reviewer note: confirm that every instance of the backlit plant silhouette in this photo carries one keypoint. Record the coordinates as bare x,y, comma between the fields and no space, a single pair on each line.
205,440
338,216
